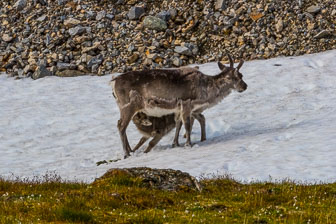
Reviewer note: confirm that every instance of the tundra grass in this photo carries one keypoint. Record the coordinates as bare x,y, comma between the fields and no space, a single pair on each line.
122,199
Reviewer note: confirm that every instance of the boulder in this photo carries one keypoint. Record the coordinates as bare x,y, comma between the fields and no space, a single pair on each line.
163,179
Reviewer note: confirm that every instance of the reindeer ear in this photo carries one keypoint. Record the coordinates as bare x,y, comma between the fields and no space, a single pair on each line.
221,66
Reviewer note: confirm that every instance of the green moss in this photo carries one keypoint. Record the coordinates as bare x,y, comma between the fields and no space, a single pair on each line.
120,198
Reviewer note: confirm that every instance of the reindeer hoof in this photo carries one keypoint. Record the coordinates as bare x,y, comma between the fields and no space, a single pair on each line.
175,145
187,144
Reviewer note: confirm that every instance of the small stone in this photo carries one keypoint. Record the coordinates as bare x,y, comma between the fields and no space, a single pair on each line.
279,25
133,58
313,9
152,56
41,72
7,38
173,13
164,15
20,5
100,15
187,49
177,61
78,30
65,66
71,22
183,50
29,68
41,18
220,4
135,12
95,48
256,16
154,23
333,12
322,34
69,73
95,61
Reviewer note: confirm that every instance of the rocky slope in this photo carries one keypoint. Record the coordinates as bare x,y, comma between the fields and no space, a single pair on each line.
68,38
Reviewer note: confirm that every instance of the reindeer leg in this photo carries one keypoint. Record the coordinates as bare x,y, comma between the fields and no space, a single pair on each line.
177,133
187,124
201,119
123,122
192,119
126,114
140,143
186,119
153,142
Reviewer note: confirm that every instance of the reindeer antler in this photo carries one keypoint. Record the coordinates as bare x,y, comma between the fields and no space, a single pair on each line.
231,60
240,64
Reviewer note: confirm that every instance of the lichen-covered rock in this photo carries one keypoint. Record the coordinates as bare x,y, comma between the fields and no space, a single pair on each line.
163,179
155,23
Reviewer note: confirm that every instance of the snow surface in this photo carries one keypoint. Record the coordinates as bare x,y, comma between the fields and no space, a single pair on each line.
283,126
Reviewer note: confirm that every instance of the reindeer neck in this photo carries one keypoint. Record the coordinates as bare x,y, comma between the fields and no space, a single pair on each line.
220,87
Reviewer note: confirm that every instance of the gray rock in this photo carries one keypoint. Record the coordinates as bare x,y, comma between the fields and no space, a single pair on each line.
69,73
333,12
20,5
154,23
89,15
135,12
61,2
177,61
220,4
101,15
164,15
94,68
71,22
41,18
41,72
279,25
313,9
183,50
7,38
120,2
187,49
95,61
65,66
110,16
322,34
78,30
173,13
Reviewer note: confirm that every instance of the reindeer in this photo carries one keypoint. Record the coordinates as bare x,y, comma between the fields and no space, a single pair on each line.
161,92
157,127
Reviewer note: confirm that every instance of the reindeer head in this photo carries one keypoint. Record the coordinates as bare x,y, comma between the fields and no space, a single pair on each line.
233,75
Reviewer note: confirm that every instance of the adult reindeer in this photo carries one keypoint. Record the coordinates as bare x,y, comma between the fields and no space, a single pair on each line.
161,92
